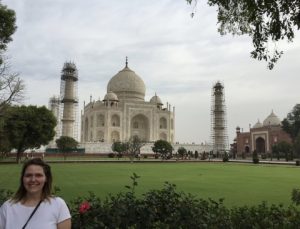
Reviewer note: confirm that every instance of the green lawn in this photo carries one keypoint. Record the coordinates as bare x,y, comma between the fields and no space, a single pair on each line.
239,184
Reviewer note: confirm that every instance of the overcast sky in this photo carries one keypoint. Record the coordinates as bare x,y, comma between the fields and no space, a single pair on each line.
177,56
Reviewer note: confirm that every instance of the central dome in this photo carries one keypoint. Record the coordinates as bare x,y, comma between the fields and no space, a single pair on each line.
127,85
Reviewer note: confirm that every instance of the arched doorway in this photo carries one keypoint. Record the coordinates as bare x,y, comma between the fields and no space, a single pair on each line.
140,127
260,145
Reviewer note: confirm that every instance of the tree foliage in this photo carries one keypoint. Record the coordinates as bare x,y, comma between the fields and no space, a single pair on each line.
134,146
28,127
291,124
119,147
265,21
11,87
7,26
66,145
182,152
163,148
283,149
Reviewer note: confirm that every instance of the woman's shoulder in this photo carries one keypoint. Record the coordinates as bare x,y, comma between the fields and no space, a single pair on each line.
57,200
8,203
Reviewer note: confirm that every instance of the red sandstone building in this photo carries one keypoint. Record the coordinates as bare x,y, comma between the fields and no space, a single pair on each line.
262,136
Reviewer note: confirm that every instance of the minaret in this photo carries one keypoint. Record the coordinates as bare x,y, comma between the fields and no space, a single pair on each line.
218,118
68,92
54,106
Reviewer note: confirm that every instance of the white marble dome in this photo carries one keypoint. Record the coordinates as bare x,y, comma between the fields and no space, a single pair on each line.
127,85
156,100
272,120
258,125
110,96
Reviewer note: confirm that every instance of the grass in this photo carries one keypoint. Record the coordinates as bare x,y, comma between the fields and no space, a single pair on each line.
239,184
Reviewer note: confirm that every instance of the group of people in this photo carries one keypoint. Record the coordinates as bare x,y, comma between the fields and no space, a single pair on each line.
33,206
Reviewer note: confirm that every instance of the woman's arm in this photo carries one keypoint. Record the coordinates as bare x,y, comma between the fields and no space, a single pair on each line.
66,224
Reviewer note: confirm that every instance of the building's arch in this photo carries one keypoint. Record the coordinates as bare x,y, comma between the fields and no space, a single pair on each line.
172,124
140,127
260,144
100,135
115,136
86,130
162,123
100,120
115,120
163,136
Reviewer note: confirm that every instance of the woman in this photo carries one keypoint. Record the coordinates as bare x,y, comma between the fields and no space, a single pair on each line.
33,206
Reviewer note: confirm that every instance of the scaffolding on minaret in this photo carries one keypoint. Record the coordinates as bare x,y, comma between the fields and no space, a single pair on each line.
69,101
219,135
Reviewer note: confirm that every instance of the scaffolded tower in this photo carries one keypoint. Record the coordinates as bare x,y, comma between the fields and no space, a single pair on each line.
69,100
218,120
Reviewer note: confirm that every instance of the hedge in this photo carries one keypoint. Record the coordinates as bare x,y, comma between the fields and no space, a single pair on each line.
168,208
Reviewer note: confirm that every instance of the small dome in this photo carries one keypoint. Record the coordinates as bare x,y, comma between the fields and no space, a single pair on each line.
110,96
156,100
127,85
272,120
258,124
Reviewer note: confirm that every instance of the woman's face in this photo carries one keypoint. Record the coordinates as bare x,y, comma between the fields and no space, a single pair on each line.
34,179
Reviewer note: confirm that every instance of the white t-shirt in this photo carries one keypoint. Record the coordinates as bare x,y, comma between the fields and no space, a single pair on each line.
47,216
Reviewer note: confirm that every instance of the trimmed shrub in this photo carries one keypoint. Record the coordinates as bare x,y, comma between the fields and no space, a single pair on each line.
297,162
225,157
255,157
111,155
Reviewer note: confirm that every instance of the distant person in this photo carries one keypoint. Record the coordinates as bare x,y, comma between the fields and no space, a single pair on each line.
33,206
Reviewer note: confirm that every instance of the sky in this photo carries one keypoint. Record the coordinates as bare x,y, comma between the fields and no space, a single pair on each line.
177,56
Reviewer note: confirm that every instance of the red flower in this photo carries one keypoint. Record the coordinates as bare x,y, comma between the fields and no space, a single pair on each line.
84,207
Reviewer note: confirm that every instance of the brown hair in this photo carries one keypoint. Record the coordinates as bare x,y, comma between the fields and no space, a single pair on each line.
46,192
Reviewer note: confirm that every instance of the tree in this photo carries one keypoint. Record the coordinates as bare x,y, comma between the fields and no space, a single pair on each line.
297,145
163,148
119,147
28,127
265,21
11,87
291,124
134,146
182,152
255,158
66,145
7,26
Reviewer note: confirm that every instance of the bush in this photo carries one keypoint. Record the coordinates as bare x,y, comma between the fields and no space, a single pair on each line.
225,157
255,157
297,162
169,208
296,196
111,155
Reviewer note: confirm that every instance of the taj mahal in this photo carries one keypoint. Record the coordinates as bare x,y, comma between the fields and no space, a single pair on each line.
124,113
121,114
